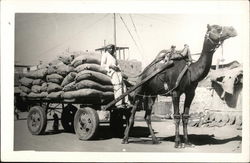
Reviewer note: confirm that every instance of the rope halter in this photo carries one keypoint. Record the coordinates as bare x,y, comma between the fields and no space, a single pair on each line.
216,44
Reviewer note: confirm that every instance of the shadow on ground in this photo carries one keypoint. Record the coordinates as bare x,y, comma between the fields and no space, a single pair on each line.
53,132
106,133
205,139
141,135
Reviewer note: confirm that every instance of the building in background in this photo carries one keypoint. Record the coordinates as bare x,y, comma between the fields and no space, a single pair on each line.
20,70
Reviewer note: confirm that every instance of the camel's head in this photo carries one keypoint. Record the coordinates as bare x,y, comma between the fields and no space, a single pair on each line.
218,33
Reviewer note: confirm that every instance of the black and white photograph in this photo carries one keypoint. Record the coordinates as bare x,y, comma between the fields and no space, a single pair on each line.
155,82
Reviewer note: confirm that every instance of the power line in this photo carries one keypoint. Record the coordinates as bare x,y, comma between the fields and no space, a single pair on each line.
58,45
129,33
133,22
136,31
157,19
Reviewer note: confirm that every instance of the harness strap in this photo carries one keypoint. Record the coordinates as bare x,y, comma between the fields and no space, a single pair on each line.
176,84
180,76
177,116
185,116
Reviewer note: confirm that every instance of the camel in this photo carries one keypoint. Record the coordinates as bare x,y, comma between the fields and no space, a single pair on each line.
196,71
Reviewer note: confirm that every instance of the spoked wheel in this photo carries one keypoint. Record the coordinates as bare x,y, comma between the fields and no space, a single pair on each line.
86,123
117,123
67,118
37,120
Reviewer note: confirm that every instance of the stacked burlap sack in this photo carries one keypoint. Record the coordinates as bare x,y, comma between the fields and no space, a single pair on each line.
88,80
33,84
215,119
69,78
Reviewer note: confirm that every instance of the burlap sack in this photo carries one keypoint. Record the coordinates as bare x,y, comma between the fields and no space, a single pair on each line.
89,66
26,82
69,87
212,117
23,94
54,62
53,87
52,69
225,118
44,87
55,95
68,79
37,74
61,69
64,69
68,95
76,54
218,117
232,119
93,85
38,82
91,58
238,120
95,76
54,78
38,95
65,59
36,88
25,89
87,93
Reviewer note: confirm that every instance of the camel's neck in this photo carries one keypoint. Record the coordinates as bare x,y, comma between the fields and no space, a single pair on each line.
200,69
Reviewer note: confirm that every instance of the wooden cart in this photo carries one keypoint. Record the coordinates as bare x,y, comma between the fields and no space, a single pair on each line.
79,115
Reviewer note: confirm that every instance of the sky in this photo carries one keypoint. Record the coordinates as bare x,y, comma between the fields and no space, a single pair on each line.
44,36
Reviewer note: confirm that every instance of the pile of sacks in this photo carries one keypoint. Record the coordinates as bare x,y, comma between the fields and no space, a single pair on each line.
33,84
215,119
70,77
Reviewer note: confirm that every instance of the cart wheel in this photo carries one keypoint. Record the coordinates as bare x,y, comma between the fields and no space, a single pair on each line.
117,123
37,120
86,123
67,118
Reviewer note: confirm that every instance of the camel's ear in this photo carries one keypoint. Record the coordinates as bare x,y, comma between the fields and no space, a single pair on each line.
208,27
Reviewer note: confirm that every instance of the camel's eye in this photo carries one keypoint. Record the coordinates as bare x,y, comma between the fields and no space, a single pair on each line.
219,30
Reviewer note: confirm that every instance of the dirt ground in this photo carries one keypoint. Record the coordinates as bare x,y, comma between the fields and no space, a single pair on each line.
211,140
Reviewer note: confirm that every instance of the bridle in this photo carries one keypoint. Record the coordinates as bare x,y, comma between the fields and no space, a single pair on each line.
216,44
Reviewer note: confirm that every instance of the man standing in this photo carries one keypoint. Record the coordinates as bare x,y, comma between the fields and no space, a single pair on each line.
109,63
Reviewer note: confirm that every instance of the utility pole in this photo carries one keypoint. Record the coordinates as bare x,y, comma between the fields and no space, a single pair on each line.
122,84
115,32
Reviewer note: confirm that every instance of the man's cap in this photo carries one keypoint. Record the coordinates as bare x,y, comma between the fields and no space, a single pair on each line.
173,46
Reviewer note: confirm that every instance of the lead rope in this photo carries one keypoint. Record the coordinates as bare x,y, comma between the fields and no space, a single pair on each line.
164,94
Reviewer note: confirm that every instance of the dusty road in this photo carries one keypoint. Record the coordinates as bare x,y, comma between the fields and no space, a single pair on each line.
224,139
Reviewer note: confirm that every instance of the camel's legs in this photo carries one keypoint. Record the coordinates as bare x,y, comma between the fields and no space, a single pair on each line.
185,116
131,122
148,103
176,100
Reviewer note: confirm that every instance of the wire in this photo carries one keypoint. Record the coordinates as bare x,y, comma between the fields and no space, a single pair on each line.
133,22
136,31
157,19
130,33
58,45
